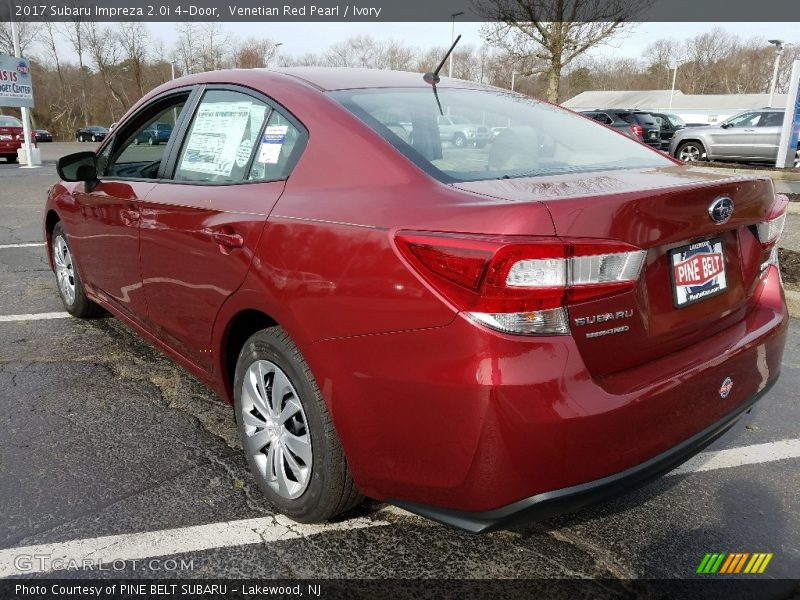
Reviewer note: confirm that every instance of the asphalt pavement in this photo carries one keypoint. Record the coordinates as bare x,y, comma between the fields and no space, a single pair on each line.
104,436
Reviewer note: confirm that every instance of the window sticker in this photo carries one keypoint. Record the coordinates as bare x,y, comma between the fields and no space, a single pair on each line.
271,144
216,135
243,153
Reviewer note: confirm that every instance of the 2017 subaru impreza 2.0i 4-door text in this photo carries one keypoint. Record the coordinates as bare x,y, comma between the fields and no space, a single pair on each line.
480,335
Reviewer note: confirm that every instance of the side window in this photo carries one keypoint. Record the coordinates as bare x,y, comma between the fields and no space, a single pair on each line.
138,151
274,155
746,120
224,133
771,119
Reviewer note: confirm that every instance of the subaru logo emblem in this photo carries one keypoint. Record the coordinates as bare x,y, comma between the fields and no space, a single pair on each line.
726,387
721,210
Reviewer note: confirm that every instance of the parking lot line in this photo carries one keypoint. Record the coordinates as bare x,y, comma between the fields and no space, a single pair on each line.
34,317
150,544
737,457
26,245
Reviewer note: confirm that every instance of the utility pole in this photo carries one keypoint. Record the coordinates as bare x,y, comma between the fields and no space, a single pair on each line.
778,54
26,123
452,38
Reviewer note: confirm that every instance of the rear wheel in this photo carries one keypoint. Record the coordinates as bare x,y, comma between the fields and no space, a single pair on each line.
151,141
287,434
797,160
135,141
12,158
94,138
691,152
70,287
459,140
80,139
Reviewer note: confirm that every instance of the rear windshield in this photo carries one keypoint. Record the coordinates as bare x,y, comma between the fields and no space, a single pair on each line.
10,122
511,135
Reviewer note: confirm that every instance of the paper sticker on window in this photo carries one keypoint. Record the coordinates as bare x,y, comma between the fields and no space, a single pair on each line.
216,134
271,144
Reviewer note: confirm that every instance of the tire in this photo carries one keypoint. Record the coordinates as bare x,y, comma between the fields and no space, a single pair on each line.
480,145
11,158
94,138
459,140
797,160
80,139
70,287
136,141
151,141
326,487
691,152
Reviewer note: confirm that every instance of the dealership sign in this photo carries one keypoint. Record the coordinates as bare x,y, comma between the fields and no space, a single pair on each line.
16,84
790,134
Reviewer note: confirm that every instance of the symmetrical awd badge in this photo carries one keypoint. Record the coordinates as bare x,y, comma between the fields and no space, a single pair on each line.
721,210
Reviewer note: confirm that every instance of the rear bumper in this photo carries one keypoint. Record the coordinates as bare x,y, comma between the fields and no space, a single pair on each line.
550,504
471,421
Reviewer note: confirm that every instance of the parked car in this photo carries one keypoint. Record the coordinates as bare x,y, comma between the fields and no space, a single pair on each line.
92,133
157,133
11,137
668,124
751,136
42,135
481,337
461,132
639,125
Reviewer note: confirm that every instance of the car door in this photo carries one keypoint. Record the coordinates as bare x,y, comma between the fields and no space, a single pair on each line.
201,225
106,237
737,138
768,135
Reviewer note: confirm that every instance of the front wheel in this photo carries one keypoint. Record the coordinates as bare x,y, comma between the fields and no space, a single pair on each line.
11,158
691,152
80,139
459,140
70,286
797,160
150,141
287,434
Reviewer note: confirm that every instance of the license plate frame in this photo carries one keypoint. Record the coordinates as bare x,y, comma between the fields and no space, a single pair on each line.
682,295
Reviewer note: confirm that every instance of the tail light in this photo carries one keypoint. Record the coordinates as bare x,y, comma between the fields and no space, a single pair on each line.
521,285
769,231
637,130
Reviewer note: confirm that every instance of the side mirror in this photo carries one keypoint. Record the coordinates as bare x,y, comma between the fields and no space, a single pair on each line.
81,166
725,125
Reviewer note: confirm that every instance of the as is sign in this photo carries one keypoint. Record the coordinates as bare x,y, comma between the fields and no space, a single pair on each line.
16,85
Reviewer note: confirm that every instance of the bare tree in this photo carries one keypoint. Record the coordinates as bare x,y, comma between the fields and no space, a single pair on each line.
104,52
27,33
133,38
187,47
555,32
253,53
74,31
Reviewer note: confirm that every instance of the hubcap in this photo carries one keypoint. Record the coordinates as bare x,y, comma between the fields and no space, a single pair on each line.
689,153
276,432
797,160
65,273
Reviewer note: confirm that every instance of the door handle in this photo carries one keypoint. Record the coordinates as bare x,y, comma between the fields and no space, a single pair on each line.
229,240
749,130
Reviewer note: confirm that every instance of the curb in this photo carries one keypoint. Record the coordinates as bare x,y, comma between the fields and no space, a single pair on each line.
793,208
777,175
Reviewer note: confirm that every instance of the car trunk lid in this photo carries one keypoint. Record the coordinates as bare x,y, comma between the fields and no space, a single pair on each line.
661,211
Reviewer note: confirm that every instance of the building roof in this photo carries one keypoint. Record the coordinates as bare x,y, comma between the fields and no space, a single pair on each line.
659,100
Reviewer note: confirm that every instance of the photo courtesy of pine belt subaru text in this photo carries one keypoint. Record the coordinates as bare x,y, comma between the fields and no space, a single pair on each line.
472,304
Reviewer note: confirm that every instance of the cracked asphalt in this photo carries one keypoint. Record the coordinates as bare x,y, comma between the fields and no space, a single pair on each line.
103,435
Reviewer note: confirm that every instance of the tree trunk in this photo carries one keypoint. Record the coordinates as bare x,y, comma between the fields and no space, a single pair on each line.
554,82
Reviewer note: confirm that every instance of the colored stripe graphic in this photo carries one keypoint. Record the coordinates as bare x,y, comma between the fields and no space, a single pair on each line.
733,563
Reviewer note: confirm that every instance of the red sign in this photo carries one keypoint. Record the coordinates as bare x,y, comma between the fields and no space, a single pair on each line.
699,269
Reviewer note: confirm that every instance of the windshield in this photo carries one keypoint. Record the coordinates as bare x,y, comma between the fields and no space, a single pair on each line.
10,122
676,121
533,138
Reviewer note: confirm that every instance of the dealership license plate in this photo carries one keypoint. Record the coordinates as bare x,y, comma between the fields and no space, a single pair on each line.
698,272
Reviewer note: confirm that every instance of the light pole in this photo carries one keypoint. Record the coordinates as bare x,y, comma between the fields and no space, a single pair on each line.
452,38
779,45
278,45
674,78
513,79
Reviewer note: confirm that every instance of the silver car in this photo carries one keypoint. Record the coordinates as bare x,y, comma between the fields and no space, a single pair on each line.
750,136
461,132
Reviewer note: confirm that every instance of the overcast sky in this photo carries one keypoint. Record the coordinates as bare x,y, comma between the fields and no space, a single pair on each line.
299,38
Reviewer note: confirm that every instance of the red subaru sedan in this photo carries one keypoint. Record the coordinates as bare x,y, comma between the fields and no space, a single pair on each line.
479,333
11,137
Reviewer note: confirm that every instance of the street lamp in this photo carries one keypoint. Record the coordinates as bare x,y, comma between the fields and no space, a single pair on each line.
674,77
779,46
277,64
452,38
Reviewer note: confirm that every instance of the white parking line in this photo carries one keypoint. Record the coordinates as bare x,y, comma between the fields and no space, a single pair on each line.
31,245
34,317
736,457
138,546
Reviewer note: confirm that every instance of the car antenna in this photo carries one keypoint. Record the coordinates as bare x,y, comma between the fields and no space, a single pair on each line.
433,78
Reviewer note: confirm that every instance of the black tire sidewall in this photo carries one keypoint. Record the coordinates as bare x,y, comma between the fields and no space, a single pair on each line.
271,344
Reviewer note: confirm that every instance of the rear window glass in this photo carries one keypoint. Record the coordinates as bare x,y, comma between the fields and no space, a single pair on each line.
10,122
498,135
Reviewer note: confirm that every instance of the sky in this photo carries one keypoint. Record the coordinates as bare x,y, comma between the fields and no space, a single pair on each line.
299,38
